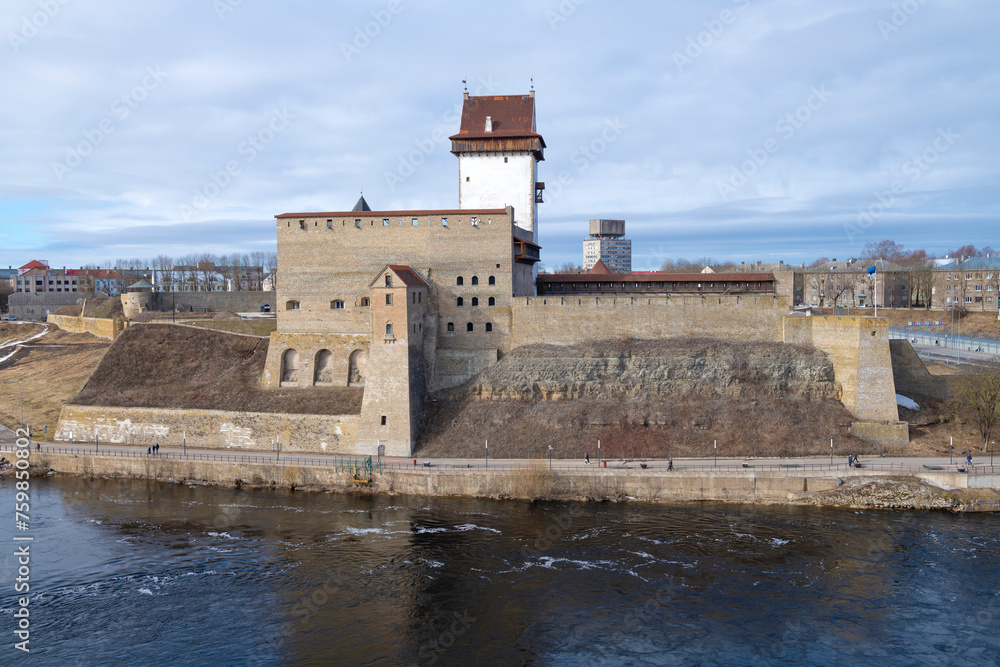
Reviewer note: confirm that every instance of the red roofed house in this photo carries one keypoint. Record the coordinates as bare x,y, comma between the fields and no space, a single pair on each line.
36,276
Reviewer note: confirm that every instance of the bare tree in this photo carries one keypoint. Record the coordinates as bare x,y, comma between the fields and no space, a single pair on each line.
978,398
271,266
5,291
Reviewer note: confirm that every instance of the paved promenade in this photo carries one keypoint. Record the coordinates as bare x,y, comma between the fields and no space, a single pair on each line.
981,463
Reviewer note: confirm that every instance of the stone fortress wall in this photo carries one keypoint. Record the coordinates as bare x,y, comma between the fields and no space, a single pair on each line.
338,325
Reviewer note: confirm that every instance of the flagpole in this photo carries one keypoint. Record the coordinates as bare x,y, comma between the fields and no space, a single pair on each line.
876,288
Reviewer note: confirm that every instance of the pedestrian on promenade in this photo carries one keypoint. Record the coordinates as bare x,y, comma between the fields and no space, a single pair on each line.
850,461
586,458
149,450
670,464
968,460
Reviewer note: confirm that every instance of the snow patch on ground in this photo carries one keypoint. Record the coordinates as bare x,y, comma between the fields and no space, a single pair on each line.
906,402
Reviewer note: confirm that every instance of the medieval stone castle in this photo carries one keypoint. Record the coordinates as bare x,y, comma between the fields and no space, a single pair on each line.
407,302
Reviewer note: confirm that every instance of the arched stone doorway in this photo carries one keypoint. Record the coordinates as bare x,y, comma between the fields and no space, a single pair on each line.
289,366
324,368
358,369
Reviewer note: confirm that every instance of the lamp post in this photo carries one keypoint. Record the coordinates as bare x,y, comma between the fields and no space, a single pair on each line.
715,446
831,452
487,453
598,453
550,457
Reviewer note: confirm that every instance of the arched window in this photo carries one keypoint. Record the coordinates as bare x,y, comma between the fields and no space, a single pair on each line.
292,305
489,327
388,299
493,280
451,326
469,327
475,301
388,280
289,366
475,280
388,329
460,281
492,301
459,301
337,304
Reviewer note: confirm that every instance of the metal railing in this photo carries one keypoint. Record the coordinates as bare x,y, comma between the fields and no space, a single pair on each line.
361,464
947,341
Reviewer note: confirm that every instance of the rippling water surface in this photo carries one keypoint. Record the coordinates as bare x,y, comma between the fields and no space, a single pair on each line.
137,573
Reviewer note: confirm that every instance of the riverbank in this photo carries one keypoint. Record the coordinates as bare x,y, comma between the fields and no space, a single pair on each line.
935,487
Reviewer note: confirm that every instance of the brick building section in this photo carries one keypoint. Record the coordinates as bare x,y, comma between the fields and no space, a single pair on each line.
972,283
463,266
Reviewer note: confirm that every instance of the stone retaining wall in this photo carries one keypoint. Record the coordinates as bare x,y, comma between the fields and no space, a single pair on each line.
98,326
213,429
741,486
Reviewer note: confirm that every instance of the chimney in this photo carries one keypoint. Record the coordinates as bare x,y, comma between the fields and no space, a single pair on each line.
489,123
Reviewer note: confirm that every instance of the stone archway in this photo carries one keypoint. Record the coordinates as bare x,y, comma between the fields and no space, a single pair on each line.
324,368
289,366
358,369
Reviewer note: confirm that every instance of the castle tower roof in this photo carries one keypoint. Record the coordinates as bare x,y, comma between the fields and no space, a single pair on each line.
362,205
600,268
497,123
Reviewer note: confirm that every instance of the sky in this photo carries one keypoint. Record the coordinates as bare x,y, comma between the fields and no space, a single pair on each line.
739,130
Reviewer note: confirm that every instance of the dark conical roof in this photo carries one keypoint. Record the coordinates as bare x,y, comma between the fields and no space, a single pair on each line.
362,205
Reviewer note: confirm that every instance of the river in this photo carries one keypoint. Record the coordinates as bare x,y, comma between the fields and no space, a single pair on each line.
135,572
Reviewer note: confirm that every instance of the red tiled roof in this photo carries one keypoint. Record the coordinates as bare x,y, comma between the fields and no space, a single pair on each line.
396,214
511,116
656,277
34,264
599,268
409,277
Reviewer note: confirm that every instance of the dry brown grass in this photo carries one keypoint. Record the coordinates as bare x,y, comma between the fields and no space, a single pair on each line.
51,370
160,366
251,327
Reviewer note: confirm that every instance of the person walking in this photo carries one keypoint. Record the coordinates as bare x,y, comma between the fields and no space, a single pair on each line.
149,450
586,458
850,460
670,464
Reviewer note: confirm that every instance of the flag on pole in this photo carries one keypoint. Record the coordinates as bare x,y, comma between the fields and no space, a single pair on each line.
871,270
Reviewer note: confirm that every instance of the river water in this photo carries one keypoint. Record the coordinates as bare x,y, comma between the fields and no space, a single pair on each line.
140,573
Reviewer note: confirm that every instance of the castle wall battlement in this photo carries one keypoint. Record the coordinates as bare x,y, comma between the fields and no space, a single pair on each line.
566,320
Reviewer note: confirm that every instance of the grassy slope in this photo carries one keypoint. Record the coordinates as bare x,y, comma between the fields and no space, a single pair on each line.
51,371
163,366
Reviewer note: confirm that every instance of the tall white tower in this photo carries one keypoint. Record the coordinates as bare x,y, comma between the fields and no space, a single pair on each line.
498,153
